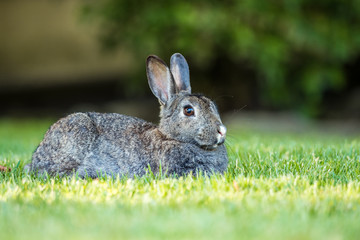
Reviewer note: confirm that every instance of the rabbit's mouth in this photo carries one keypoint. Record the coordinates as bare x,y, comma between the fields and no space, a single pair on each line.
211,147
207,139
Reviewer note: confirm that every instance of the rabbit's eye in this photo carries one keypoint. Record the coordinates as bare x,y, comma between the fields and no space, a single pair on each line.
189,111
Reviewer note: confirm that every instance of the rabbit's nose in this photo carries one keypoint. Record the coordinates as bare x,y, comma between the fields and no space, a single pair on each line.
222,130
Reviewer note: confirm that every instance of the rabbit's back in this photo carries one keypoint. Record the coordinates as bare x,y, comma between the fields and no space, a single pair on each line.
89,144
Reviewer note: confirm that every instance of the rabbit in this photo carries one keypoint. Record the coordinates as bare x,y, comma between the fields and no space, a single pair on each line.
189,138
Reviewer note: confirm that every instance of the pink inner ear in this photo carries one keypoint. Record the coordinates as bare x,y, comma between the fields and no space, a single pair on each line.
160,77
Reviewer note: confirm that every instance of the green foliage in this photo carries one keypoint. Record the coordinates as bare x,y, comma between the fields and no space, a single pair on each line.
278,185
297,48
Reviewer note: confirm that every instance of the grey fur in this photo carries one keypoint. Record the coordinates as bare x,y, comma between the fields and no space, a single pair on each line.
93,144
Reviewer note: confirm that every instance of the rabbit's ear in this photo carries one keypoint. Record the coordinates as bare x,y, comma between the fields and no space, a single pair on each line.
160,79
180,71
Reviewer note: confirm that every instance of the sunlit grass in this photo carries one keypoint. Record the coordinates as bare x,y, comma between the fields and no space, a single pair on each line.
278,185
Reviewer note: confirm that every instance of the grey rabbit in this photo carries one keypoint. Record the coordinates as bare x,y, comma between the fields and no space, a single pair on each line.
189,138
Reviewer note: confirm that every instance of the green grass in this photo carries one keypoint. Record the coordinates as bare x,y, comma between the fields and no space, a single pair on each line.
278,186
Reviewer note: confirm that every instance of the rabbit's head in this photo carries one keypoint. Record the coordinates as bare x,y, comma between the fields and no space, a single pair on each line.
186,117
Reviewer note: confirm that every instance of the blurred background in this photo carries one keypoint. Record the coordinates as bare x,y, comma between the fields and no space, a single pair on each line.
297,57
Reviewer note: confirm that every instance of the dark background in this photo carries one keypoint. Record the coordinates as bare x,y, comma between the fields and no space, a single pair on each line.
61,56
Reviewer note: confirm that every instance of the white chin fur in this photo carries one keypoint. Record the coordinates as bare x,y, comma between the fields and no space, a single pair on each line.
218,138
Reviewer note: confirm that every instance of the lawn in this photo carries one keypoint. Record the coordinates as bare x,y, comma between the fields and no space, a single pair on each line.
279,185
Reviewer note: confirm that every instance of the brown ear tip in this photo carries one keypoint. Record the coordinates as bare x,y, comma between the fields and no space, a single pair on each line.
154,58
150,57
